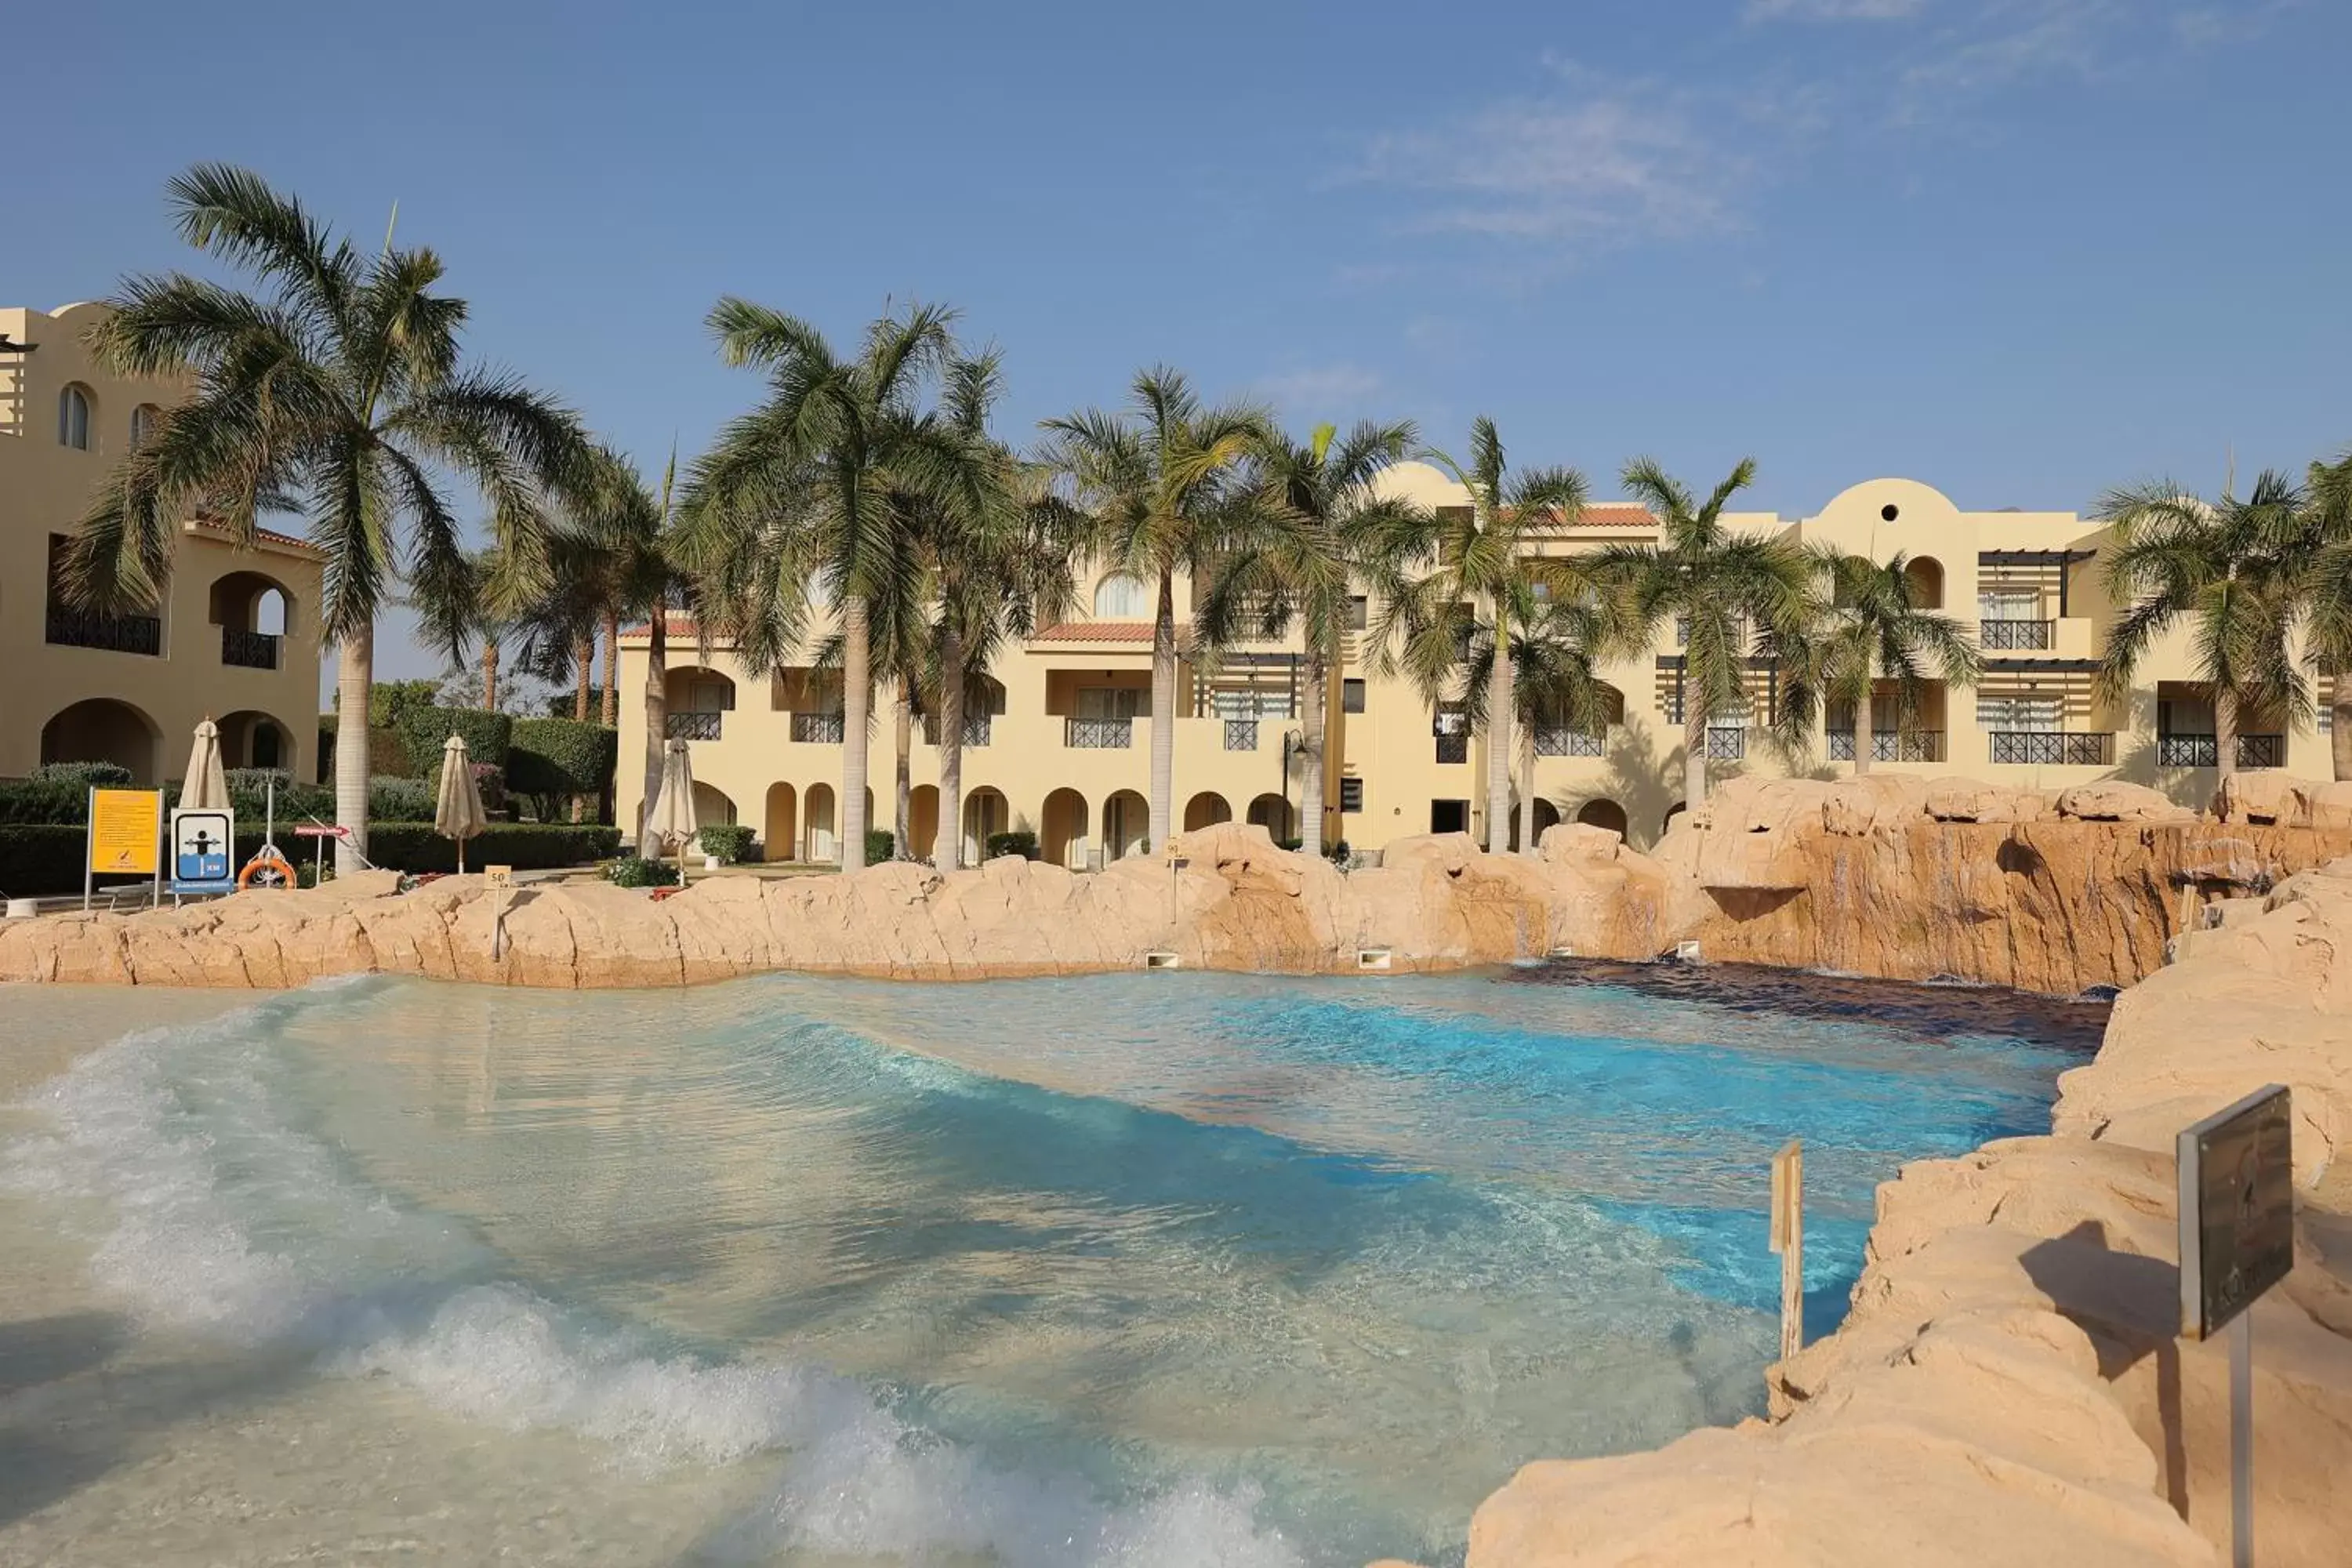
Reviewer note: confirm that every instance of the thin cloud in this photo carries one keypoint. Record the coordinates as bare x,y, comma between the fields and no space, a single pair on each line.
1831,10
1322,391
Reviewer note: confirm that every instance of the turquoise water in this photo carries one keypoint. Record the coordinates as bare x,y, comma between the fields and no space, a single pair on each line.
1166,1269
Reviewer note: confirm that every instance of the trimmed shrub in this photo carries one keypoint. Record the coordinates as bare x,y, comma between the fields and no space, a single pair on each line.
551,759
44,800
730,841
40,857
89,775
636,871
488,736
392,798
1020,841
527,845
490,782
881,844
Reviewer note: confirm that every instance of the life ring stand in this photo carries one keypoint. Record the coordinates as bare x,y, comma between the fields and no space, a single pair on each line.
264,861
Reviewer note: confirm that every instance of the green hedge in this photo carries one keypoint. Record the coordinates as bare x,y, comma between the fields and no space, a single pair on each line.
555,757
527,845
37,858
1021,842
105,775
730,841
395,798
42,801
488,736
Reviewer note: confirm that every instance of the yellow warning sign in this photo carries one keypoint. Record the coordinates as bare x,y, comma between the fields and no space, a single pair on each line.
125,825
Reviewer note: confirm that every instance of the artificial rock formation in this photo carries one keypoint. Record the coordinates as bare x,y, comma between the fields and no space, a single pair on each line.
2008,1387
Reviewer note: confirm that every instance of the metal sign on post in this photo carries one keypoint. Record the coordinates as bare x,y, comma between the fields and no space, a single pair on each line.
202,841
2237,1240
1788,1241
126,832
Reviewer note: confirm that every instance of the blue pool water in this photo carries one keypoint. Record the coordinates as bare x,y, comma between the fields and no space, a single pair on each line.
1166,1269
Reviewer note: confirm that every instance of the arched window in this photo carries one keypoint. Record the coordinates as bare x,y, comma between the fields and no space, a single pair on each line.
143,419
73,417
1120,597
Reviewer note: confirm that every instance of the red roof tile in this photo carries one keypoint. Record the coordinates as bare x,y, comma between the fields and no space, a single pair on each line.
1616,514
266,535
1095,631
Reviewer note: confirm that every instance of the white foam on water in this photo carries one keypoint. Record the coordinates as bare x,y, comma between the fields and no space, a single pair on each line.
224,1220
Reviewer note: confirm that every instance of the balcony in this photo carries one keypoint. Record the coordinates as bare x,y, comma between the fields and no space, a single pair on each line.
976,729
691,726
114,634
818,729
2205,752
248,650
1890,746
1241,734
1453,748
1563,742
2053,748
2013,637
1097,734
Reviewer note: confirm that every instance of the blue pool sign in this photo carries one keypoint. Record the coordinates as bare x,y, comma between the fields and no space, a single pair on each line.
203,840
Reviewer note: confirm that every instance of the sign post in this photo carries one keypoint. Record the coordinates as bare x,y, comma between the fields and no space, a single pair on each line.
2237,1240
1788,1241
321,832
499,881
126,838
202,842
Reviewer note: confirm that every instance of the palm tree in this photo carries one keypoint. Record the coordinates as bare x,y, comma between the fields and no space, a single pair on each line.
1165,492
2322,557
2224,567
1447,568
336,391
1871,628
800,494
1319,527
1553,681
1731,590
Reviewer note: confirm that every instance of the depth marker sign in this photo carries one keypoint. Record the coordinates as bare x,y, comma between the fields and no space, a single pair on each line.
203,839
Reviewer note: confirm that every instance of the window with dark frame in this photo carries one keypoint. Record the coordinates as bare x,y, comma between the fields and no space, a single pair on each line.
1351,795
1351,695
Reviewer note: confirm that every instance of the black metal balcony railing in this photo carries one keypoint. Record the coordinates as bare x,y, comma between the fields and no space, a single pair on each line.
1727,744
691,726
249,650
1890,746
1453,748
2205,752
1241,734
115,634
818,729
1562,743
1097,734
976,729
2052,747
2011,636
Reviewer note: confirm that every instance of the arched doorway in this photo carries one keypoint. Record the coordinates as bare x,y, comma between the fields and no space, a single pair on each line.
253,611
1206,810
1273,813
1607,814
923,822
824,839
985,813
781,838
102,730
1666,826
1126,825
1925,577
1063,840
711,806
253,740
1547,815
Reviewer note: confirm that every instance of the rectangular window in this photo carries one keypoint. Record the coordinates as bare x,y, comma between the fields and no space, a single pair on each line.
2008,605
1351,795
1360,612
1351,695
1114,703
1246,702
2018,715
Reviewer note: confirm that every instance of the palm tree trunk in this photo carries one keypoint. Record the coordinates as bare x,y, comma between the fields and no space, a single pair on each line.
1865,739
1694,748
1498,740
354,676
489,674
946,843
1163,711
2340,724
902,726
1527,789
612,668
2225,733
657,712
1310,747
856,707
583,658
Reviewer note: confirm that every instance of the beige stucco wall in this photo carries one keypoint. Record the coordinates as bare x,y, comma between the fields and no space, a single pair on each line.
157,699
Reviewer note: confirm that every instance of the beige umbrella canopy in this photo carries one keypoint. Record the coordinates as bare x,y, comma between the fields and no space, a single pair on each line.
672,818
458,813
205,785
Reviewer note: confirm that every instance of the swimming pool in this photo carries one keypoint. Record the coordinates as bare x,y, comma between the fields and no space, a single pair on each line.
1166,1269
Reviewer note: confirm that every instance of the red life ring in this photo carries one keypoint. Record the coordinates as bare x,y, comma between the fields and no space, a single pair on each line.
261,863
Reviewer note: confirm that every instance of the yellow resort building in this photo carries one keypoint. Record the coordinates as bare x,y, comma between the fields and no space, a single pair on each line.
235,638
1064,746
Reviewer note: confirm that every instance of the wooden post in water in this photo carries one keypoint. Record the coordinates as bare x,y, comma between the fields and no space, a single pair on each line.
1788,1241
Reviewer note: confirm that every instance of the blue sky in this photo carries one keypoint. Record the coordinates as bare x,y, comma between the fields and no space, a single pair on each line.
2020,249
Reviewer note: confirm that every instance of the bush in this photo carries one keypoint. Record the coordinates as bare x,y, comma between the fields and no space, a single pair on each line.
490,782
414,847
548,759
40,857
89,775
44,800
881,844
1020,841
424,729
731,842
394,799
636,871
